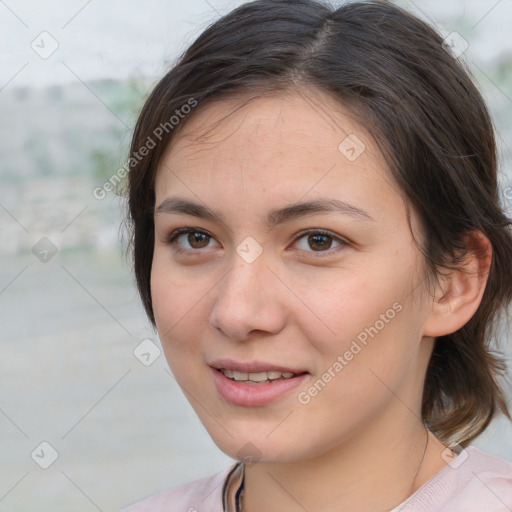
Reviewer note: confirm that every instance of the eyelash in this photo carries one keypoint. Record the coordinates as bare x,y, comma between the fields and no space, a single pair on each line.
171,240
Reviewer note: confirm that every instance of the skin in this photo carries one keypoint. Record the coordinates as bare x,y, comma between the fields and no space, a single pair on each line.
301,306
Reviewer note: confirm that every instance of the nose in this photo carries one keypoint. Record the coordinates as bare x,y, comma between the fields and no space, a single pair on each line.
247,301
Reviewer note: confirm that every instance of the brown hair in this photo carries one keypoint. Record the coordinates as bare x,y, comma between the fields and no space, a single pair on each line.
429,120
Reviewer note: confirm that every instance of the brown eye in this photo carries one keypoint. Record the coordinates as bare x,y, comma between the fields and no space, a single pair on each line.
189,239
319,241
197,240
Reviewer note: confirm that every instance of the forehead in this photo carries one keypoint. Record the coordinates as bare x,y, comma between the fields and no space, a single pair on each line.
294,114
289,144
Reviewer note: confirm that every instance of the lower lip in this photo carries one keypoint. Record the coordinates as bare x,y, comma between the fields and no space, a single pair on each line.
253,395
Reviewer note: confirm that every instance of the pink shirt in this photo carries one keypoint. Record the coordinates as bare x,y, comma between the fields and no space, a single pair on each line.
474,482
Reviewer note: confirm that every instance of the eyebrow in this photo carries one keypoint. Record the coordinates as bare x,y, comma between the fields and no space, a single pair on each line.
274,217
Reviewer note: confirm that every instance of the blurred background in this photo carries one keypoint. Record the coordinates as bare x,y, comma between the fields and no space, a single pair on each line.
90,416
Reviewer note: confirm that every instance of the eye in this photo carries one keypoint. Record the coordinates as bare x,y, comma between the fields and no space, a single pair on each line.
195,238
320,241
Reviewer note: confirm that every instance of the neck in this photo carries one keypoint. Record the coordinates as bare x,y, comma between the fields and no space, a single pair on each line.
392,463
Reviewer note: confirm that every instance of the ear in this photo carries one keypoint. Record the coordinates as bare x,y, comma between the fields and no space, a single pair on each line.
460,292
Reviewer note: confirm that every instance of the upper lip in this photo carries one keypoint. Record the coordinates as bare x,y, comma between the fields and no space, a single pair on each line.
252,366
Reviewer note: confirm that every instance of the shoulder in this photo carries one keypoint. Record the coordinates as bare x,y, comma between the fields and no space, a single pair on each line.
472,482
485,483
203,494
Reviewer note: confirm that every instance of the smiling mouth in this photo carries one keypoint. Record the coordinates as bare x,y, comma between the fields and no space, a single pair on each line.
257,377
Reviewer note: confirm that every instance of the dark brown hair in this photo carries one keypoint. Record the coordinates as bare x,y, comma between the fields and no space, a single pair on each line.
417,100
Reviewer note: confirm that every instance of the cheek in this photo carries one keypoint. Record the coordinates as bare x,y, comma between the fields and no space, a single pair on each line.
173,294
368,336
342,306
361,371
178,304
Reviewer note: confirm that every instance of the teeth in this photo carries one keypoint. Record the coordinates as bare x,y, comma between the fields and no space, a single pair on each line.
257,376
227,373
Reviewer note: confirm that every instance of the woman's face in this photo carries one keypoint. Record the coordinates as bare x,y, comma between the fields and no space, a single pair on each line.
299,259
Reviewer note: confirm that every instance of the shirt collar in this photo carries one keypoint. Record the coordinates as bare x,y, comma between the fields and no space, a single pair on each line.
233,489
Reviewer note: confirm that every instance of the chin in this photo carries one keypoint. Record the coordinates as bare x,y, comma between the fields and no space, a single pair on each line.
258,449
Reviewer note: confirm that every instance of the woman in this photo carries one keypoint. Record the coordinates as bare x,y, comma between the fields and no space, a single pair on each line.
318,240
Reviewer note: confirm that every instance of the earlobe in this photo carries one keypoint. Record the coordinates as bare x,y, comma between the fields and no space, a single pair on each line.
460,291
